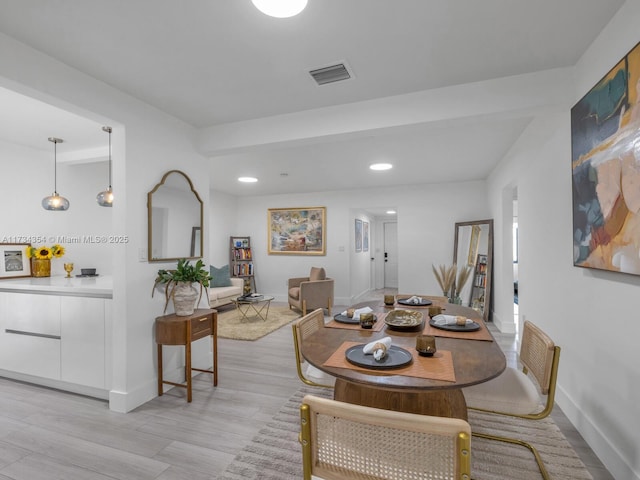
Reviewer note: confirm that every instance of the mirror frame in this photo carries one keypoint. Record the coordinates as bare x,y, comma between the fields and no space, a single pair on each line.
486,314
150,219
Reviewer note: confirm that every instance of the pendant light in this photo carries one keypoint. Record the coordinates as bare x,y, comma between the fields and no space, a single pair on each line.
55,202
280,8
105,198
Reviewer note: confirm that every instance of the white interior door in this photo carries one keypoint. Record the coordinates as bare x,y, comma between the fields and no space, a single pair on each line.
391,255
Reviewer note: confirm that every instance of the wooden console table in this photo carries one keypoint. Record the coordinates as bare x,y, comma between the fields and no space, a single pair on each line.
175,330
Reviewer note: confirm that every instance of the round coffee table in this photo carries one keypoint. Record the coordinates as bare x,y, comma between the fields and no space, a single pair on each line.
258,305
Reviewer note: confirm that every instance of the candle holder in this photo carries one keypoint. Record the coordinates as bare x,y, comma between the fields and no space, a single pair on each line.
426,345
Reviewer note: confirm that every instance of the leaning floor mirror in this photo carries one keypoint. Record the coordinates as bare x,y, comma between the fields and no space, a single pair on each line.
473,247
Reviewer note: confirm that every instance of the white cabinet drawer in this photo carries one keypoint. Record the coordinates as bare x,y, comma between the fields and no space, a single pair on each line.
32,313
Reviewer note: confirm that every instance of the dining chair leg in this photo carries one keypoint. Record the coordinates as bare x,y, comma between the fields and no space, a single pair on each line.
514,441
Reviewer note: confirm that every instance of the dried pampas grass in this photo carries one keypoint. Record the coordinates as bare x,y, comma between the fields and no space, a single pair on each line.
446,277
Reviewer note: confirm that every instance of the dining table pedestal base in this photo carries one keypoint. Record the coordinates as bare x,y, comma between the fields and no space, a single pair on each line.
447,402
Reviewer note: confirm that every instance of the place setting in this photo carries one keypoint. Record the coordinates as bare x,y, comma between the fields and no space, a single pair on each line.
457,326
381,356
358,318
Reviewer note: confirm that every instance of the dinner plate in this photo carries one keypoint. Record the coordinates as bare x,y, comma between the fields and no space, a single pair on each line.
396,357
423,303
471,327
404,319
344,319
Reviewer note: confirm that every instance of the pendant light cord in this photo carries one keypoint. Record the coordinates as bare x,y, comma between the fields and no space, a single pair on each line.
55,167
109,158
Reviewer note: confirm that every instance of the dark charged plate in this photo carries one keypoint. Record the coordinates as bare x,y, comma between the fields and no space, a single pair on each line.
396,357
423,303
471,327
344,319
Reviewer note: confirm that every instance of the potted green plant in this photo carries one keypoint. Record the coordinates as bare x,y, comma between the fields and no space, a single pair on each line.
179,285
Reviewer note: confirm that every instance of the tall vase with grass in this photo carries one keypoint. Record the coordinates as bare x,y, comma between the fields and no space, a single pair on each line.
446,277
463,276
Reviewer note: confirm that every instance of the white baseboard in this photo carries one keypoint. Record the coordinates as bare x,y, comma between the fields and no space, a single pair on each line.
608,454
504,326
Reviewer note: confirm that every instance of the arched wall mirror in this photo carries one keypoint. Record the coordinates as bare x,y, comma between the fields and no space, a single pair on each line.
473,246
174,219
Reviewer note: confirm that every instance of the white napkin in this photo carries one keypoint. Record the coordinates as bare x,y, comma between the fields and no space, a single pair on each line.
368,348
356,314
415,300
448,320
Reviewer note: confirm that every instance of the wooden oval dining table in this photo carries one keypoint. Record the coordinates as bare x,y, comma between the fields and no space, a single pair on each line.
474,361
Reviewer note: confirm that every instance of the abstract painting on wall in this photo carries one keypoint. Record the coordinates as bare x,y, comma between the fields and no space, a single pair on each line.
605,166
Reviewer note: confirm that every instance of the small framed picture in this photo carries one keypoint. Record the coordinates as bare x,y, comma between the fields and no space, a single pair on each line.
358,239
14,262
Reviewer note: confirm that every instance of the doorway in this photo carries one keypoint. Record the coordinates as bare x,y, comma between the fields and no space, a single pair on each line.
390,254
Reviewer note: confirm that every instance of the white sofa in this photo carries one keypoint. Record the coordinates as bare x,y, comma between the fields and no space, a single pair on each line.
219,296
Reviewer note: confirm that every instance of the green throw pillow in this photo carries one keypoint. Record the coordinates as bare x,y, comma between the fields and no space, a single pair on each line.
220,276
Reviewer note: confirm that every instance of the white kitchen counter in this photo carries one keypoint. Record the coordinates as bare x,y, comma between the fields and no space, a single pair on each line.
98,287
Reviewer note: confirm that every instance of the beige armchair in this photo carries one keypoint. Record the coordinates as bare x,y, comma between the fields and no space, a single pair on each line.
309,293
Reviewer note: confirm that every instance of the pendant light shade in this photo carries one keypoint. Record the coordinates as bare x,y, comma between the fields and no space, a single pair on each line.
105,198
55,202
280,8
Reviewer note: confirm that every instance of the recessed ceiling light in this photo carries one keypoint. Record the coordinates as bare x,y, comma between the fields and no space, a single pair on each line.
381,166
248,179
391,212
280,8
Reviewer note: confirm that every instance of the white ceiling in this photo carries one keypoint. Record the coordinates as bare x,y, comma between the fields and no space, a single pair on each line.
220,61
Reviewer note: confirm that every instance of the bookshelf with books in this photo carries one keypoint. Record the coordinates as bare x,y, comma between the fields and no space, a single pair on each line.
479,283
241,261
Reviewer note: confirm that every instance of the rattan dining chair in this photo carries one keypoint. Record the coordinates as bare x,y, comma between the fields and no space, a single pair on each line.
347,441
302,328
516,393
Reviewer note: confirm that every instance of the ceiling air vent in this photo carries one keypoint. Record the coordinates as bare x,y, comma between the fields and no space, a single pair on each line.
331,74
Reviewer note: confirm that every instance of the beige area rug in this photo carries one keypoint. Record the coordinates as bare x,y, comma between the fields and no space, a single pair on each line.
232,325
274,453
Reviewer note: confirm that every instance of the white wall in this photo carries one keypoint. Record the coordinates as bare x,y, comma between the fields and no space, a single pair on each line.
426,218
27,179
146,143
590,314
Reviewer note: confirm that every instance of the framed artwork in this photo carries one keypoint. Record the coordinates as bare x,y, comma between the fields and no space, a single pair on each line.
297,231
14,261
358,235
605,171
365,236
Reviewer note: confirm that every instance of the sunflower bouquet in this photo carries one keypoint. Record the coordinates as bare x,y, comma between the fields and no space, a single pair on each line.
44,252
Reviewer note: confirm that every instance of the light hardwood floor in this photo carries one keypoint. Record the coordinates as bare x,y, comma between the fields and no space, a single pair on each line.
46,434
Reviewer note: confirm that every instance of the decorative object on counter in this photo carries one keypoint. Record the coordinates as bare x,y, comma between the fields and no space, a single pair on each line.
15,260
446,277
68,267
179,285
87,272
41,258
55,202
105,198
